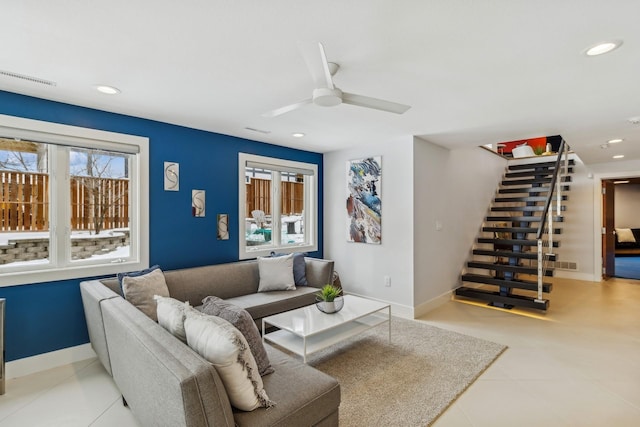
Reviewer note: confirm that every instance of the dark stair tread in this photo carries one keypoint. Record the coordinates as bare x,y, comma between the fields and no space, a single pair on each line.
538,165
506,267
524,230
535,172
535,208
510,254
514,242
525,199
521,218
510,182
516,300
519,284
529,189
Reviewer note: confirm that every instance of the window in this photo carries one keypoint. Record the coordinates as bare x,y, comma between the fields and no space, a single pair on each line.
73,202
278,205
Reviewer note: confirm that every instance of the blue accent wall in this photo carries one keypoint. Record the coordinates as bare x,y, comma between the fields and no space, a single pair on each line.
45,317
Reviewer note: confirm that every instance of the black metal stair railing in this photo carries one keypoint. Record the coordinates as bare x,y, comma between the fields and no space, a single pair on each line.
546,219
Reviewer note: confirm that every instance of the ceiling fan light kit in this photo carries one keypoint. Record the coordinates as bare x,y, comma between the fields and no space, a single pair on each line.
326,94
325,97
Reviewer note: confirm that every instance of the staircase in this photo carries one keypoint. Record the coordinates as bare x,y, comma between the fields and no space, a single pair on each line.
518,236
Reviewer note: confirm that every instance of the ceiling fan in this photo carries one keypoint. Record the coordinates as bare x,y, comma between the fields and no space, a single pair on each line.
326,94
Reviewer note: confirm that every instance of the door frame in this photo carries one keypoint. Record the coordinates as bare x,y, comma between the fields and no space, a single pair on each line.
597,214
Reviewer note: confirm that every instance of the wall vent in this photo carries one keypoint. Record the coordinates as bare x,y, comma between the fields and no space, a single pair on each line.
558,265
258,130
28,78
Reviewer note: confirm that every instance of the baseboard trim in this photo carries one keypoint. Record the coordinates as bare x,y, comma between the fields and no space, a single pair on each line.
576,276
399,310
432,304
42,362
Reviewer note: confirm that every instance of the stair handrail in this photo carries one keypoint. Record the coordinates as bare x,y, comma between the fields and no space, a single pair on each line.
547,212
554,179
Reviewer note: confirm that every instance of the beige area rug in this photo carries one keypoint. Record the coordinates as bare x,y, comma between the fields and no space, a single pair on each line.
409,382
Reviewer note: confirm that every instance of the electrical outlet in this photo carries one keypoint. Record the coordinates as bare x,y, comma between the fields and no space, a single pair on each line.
387,281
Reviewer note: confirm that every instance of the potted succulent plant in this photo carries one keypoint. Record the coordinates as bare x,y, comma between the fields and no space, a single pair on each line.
329,299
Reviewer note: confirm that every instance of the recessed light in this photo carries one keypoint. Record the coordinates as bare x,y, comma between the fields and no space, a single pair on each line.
618,156
297,134
621,182
109,90
614,141
602,48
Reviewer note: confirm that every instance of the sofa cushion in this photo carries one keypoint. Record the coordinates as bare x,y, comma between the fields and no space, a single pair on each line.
241,319
276,274
227,350
305,396
171,314
299,267
264,304
139,291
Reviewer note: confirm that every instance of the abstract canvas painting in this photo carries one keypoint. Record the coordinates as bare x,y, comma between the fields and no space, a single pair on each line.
364,207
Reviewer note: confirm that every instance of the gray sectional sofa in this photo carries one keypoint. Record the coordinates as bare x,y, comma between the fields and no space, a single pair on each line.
166,383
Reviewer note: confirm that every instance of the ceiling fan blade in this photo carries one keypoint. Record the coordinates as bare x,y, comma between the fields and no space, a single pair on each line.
316,60
378,104
286,109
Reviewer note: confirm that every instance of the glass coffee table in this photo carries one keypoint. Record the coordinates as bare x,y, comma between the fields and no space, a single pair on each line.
306,330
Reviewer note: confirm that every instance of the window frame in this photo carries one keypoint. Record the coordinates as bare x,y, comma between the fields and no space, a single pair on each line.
310,214
60,266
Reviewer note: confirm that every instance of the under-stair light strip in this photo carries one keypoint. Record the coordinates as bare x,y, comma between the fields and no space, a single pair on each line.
28,78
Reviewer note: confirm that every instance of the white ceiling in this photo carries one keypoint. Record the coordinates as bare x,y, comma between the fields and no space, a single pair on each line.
474,72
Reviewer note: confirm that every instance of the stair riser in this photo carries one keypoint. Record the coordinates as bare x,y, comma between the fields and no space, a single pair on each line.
525,166
527,285
519,301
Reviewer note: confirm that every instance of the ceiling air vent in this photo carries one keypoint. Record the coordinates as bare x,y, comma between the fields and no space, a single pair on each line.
28,78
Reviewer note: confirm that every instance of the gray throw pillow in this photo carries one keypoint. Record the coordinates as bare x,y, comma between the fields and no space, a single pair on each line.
299,267
121,276
241,319
139,291
276,274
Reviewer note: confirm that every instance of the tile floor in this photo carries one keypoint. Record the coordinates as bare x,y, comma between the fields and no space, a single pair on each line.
578,365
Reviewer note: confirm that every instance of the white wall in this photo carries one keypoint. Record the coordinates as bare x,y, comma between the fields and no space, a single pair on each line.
362,267
601,171
577,239
627,206
453,189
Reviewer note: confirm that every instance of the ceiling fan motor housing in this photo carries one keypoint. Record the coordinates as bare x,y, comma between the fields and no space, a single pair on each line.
326,97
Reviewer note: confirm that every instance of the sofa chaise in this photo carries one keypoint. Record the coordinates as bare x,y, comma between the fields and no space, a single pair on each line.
166,383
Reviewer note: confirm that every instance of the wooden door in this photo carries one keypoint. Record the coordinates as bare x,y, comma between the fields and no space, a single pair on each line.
608,236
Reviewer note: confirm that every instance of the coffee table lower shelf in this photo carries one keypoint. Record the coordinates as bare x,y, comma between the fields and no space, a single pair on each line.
306,345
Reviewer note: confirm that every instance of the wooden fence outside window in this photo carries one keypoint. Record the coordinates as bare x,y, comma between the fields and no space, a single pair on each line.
259,197
24,202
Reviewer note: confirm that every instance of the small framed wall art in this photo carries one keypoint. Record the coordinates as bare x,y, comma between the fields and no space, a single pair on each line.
171,176
198,203
223,226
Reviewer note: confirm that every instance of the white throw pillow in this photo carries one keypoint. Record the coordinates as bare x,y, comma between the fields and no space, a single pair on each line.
276,274
220,343
625,235
140,290
171,314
